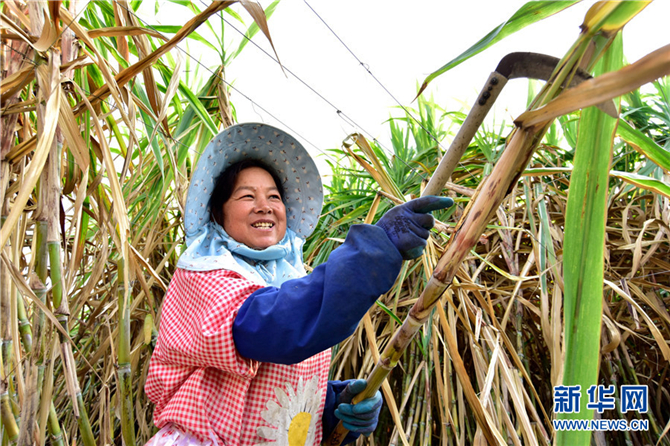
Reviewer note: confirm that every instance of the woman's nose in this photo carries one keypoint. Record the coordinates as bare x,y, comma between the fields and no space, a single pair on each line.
262,205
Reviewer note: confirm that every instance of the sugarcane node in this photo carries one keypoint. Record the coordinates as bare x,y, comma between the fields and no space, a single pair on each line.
386,363
441,275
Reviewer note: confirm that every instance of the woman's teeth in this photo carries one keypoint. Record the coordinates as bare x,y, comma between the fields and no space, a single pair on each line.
263,225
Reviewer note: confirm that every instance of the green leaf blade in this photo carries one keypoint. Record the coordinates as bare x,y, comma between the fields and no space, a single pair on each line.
644,144
584,251
528,14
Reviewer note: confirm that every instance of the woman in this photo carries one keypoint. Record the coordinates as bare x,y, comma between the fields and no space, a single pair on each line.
243,350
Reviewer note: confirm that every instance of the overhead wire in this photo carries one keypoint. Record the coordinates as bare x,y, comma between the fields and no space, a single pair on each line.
539,242
255,103
338,110
366,67
299,79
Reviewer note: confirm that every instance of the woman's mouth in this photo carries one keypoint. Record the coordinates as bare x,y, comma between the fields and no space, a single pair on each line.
263,225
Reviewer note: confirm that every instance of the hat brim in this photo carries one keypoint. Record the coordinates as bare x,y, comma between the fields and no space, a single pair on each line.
276,148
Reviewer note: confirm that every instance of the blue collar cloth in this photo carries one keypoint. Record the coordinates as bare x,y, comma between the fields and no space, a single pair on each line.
213,249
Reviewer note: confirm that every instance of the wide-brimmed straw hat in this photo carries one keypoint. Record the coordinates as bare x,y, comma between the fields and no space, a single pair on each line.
276,148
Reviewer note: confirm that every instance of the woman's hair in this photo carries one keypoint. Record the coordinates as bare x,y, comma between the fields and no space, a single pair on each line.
225,183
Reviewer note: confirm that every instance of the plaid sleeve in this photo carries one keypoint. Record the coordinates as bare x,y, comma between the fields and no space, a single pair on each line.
196,321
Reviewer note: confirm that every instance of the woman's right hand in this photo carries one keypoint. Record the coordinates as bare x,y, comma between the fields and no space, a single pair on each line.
408,225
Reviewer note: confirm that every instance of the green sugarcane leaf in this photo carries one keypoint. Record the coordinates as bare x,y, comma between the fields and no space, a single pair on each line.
388,311
172,29
528,14
644,144
610,17
186,129
643,182
583,256
150,123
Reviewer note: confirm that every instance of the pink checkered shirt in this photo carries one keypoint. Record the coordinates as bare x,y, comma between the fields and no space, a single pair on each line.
199,382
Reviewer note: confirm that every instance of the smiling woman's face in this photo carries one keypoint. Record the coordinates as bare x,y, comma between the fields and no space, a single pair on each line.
255,213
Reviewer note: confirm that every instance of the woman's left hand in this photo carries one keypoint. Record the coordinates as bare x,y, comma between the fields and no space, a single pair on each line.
361,418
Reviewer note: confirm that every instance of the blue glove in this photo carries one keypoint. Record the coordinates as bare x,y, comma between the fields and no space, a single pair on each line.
360,418
408,225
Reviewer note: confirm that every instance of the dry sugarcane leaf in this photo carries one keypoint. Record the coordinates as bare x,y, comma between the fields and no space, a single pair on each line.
132,71
374,169
69,368
481,415
120,211
15,82
658,306
9,23
11,4
144,49
167,98
70,129
54,8
49,35
101,63
148,267
256,12
615,334
121,42
490,375
665,432
602,88
24,288
37,162
122,31
389,398
658,336
516,392
637,251
78,248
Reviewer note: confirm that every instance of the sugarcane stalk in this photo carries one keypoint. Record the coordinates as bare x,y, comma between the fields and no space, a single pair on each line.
61,305
5,319
25,330
47,82
48,213
418,411
479,212
124,369
37,285
11,429
9,424
429,414
54,427
520,148
62,312
410,417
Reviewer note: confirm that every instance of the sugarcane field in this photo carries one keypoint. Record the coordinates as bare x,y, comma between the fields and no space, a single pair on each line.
186,262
